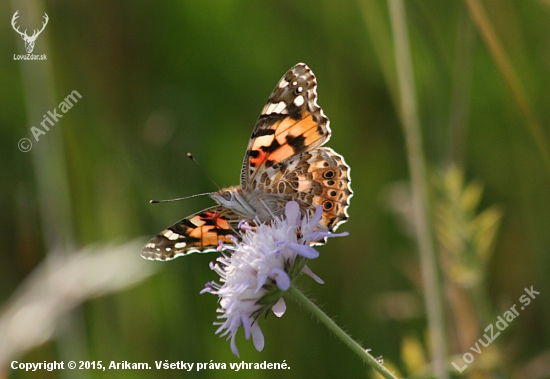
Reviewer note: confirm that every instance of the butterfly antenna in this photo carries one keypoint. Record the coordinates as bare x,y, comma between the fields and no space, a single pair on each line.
180,198
190,156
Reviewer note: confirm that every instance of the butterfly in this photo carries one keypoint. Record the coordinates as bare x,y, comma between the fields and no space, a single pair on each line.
284,161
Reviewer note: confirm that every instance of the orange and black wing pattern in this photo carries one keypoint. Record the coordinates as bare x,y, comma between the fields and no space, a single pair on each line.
291,123
201,232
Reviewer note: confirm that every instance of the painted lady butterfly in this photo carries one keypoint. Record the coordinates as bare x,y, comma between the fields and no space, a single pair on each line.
283,162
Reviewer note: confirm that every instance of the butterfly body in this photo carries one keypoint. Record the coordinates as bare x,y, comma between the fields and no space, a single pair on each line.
284,162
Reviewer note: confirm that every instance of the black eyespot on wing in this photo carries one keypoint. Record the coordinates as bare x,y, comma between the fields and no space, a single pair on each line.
328,174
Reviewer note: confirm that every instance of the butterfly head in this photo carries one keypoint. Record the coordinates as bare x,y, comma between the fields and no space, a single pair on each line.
232,198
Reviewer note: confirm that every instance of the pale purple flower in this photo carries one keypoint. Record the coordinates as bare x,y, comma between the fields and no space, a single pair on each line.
260,268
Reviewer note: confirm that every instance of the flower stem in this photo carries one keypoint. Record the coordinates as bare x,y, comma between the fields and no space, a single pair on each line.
342,335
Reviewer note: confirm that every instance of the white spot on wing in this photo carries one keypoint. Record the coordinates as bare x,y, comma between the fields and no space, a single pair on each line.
275,108
171,235
180,245
270,108
262,141
283,84
299,100
280,107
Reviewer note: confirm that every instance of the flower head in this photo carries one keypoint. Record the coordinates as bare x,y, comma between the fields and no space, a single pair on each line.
261,267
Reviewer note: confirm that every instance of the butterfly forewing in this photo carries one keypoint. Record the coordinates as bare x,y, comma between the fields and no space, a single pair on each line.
291,122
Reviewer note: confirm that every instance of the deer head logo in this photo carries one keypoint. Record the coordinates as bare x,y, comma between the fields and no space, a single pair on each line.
29,40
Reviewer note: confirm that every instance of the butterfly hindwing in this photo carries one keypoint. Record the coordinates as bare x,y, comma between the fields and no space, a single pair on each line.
316,177
199,233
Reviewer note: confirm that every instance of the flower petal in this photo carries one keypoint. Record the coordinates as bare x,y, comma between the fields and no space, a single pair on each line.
316,216
257,337
292,211
281,278
234,349
303,250
246,325
306,270
279,308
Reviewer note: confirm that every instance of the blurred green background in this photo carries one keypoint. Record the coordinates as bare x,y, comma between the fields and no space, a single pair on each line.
160,79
